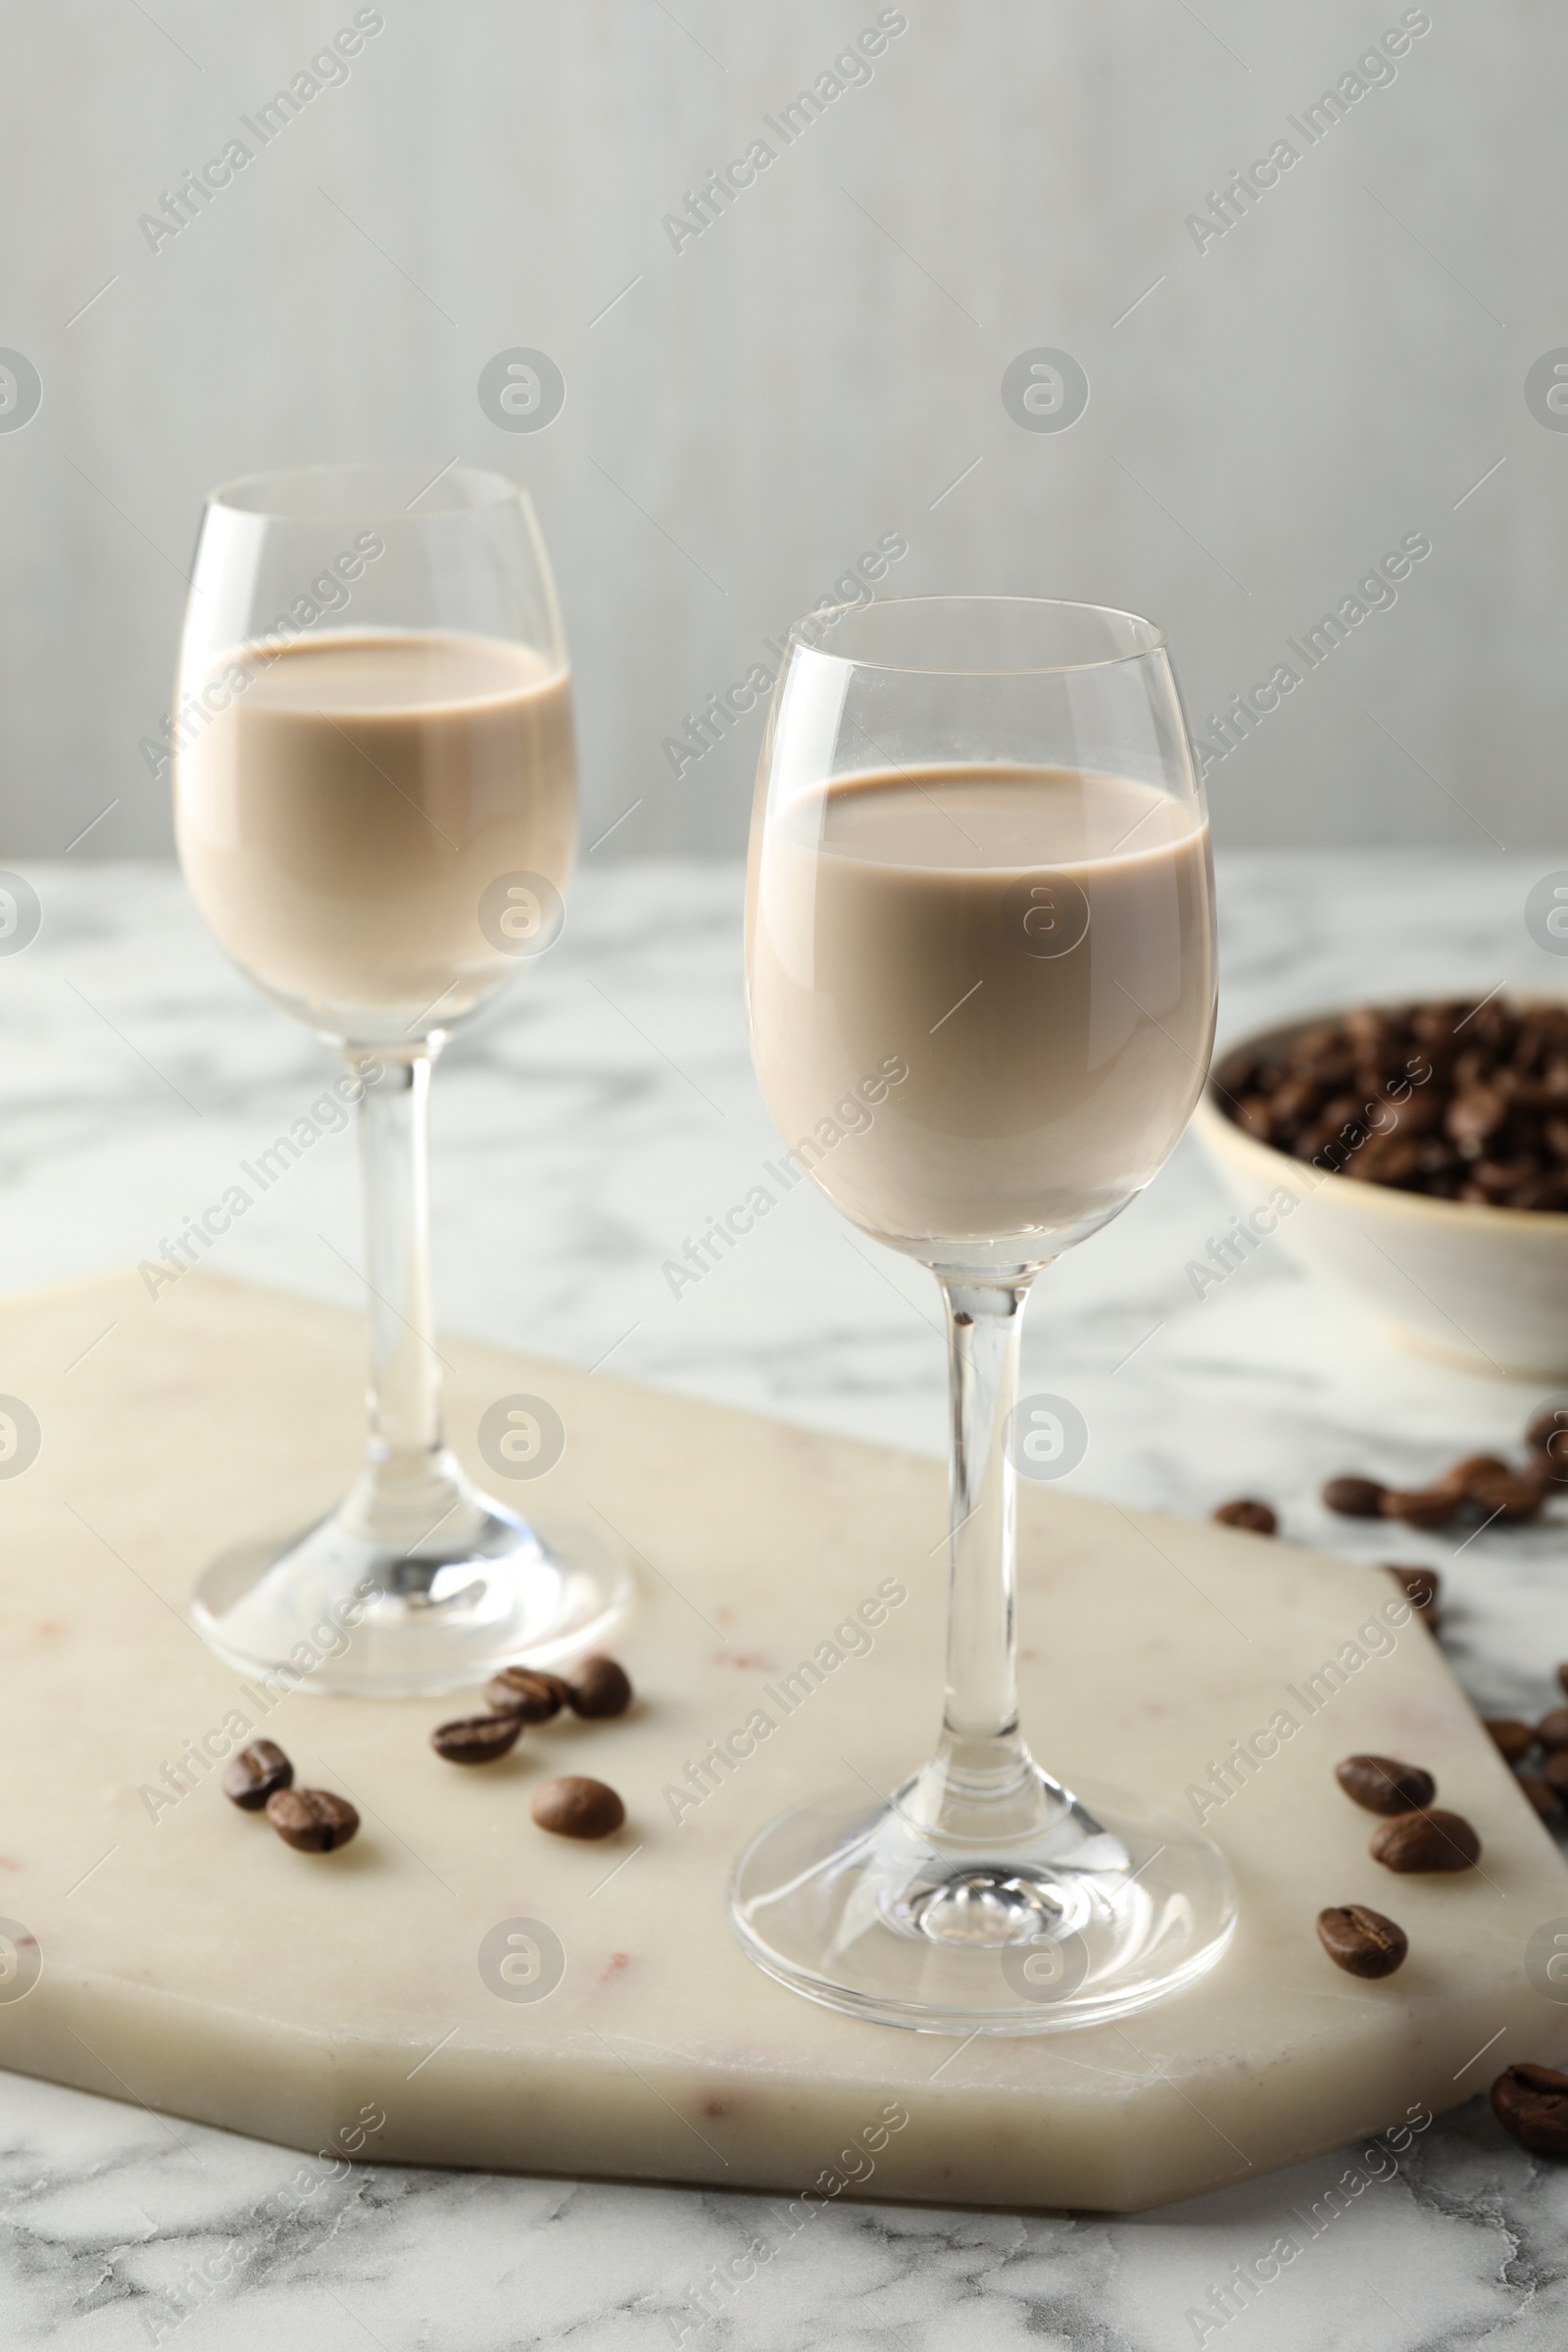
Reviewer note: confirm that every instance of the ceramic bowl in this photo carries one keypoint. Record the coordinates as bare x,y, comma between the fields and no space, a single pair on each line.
1481,1287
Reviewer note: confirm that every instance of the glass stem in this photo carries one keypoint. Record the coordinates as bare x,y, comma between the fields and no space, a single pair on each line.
411,1483
982,1777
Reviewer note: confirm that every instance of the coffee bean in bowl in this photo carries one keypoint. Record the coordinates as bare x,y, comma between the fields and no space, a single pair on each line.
1361,1940
1473,1096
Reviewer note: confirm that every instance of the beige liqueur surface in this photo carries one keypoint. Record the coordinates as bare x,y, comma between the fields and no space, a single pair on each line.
340,821
884,922
191,1961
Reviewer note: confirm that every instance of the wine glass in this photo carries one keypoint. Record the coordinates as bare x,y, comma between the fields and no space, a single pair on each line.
980,977
376,802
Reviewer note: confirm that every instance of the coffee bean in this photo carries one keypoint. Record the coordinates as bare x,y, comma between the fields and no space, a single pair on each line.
1255,1517
1562,1674
251,1777
1361,1940
575,1807
1460,1480
1475,1116
527,1692
1386,1160
1383,1785
1505,1495
1354,1497
1419,1506
1426,1841
601,1688
476,1738
1546,1799
1420,1586
311,1819
1552,1728
1554,1771
1531,2103
1513,1738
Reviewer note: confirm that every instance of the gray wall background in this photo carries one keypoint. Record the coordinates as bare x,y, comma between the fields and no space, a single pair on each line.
816,370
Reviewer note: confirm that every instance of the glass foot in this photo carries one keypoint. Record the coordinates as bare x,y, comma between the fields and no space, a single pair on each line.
346,1610
1111,1907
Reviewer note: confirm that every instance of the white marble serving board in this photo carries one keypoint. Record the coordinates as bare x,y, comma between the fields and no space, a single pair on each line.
192,1962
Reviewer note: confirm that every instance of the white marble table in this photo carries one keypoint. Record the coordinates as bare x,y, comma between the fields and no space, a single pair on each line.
589,1126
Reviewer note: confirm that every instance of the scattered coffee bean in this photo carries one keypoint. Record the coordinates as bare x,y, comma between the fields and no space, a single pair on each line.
1505,1495
1552,1728
1458,1482
575,1807
1554,1771
527,1692
1361,1940
1424,1507
1531,2103
1482,1484
1562,1674
1354,1497
602,1687
1383,1785
1515,1738
1420,1587
1458,1100
1436,1841
476,1738
251,1777
1255,1517
1546,1799
311,1819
